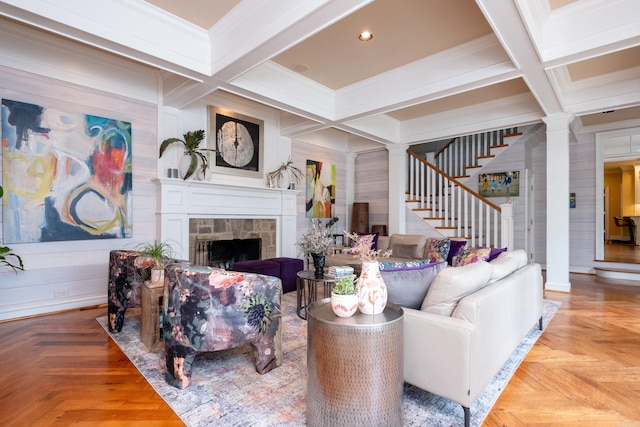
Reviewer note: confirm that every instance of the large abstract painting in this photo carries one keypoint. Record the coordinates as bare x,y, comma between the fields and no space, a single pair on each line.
321,190
66,175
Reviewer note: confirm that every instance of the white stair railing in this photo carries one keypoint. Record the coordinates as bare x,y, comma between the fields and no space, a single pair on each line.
465,151
454,209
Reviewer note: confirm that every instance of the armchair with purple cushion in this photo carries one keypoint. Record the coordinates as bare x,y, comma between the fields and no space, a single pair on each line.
209,309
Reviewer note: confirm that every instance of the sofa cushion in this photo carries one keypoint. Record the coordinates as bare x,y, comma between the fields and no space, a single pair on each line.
454,249
437,250
408,246
407,282
454,283
471,255
506,263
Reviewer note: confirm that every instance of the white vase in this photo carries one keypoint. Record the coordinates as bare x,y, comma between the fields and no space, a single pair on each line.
157,275
372,291
183,166
344,305
284,180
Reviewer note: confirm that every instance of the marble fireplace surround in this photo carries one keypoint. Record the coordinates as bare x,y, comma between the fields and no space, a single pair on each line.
180,201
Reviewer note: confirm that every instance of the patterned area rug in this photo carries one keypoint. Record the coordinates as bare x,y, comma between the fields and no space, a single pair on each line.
226,390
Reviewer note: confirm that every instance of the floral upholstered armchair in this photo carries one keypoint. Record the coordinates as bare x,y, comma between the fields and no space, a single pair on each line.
209,309
127,272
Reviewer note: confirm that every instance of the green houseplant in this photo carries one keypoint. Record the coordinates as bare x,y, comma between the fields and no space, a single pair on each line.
154,254
7,257
344,296
284,174
192,150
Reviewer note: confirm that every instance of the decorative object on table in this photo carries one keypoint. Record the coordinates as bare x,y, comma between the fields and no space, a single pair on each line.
62,190
155,254
316,242
193,154
338,271
372,291
344,296
239,141
7,257
285,175
321,190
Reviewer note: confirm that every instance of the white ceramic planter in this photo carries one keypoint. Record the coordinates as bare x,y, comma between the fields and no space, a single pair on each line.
344,305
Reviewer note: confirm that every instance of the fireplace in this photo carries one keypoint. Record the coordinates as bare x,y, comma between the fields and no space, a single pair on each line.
221,242
224,253
226,212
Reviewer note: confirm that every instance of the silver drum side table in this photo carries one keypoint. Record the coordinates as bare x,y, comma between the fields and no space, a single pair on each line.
355,368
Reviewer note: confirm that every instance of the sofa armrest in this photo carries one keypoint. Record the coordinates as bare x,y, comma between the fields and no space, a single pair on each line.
437,353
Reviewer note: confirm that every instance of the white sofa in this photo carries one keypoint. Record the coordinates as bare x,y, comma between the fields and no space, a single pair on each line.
456,356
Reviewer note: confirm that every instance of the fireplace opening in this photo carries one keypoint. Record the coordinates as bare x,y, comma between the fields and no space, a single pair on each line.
224,253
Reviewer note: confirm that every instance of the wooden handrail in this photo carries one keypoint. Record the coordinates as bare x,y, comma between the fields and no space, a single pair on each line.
455,181
444,148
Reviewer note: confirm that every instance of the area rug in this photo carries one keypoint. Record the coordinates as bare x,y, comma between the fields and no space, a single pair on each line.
227,391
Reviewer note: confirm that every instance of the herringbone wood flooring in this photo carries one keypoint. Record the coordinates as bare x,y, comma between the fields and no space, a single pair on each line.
584,370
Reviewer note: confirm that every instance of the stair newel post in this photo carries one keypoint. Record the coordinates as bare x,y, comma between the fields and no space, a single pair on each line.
506,219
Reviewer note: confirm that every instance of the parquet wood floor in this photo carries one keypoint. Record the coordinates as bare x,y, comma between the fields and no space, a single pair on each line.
62,369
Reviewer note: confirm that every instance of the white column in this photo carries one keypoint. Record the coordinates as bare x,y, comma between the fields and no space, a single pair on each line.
558,202
397,186
349,190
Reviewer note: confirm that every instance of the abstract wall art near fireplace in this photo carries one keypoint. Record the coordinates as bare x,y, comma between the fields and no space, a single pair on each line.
320,189
66,175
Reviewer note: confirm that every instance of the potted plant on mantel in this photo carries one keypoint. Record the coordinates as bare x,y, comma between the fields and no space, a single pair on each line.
344,296
282,176
193,154
154,254
7,257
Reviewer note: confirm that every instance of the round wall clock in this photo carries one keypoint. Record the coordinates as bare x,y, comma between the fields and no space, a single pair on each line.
235,144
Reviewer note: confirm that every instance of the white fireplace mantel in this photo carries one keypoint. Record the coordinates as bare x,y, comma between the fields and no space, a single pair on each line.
179,201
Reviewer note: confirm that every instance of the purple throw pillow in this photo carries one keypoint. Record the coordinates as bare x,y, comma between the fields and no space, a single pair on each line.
495,252
455,247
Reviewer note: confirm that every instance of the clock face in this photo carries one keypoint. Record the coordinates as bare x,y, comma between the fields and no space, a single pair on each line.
235,144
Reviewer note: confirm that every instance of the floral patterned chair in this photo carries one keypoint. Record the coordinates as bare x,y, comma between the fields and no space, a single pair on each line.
127,272
209,309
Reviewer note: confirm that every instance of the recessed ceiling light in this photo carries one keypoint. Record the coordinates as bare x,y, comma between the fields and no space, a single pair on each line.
299,68
365,36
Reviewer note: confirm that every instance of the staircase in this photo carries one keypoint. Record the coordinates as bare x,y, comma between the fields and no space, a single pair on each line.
437,194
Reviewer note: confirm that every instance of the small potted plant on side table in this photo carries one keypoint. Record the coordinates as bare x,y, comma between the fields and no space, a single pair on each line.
155,255
344,297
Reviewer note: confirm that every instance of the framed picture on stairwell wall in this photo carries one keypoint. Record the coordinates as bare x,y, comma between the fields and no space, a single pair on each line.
499,184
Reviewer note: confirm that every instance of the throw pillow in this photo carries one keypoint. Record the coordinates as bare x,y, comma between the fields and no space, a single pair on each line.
407,246
471,255
454,249
495,252
506,263
438,250
408,282
452,284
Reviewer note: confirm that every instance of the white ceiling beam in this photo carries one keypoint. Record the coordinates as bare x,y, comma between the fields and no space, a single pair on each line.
508,26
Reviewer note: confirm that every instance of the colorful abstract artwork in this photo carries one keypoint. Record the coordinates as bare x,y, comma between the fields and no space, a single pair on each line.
66,175
321,190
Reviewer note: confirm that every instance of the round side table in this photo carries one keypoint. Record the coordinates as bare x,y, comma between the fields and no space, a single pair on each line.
307,290
355,367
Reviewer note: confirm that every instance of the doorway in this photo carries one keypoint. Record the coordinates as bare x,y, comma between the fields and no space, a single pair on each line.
617,180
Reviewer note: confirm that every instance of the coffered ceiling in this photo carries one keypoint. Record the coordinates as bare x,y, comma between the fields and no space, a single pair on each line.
434,69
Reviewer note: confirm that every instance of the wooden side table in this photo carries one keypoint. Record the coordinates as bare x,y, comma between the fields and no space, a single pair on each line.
355,367
151,301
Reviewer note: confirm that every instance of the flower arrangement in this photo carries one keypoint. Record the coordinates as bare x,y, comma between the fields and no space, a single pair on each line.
361,247
317,240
